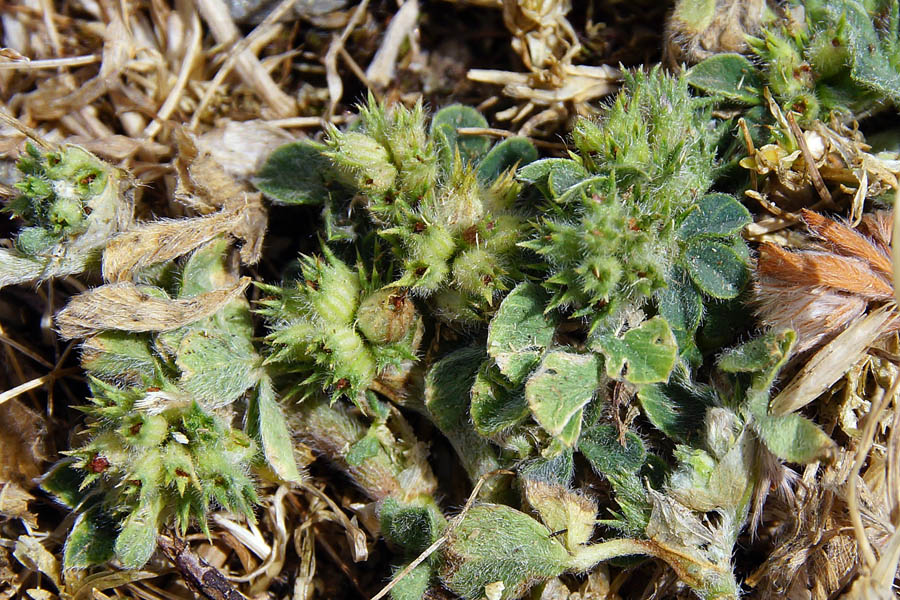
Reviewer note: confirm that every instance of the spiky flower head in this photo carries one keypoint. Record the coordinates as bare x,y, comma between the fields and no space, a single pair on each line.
338,328
628,218
444,203
157,458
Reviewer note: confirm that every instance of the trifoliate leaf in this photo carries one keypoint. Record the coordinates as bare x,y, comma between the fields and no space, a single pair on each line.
715,215
647,353
731,76
520,331
560,387
716,268
296,173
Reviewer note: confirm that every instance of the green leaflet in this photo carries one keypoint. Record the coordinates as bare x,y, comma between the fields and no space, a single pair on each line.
415,584
520,331
274,435
716,268
680,303
119,355
560,387
675,409
91,540
444,125
510,153
730,76
873,53
716,215
136,542
498,543
600,445
793,438
448,386
296,173
496,406
647,353
217,367
63,482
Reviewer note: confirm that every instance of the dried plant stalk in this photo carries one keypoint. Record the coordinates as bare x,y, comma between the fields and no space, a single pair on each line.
126,307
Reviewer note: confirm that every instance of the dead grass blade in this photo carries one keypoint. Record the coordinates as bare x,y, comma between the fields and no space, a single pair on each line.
162,240
830,363
126,307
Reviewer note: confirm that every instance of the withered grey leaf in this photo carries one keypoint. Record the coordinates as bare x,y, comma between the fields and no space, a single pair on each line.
126,307
164,240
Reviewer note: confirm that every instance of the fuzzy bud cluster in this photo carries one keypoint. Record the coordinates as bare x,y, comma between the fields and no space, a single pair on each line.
161,458
338,328
56,191
444,202
627,216
831,55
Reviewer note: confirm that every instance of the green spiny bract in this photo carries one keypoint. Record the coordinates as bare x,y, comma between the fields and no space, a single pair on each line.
156,458
71,202
338,328
629,217
445,202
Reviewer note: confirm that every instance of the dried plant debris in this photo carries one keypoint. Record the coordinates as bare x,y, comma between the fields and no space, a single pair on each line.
547,45
659,360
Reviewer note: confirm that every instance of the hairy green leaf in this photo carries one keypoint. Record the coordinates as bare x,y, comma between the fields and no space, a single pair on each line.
520,331
647,353
296,173
715,215
560,387
716,268
498,543
730,76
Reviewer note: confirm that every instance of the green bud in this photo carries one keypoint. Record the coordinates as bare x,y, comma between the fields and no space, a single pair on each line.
365,160
145,431
385,316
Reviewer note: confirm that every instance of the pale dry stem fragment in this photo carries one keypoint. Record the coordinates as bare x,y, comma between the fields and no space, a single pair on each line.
125,307
216,15
380,71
